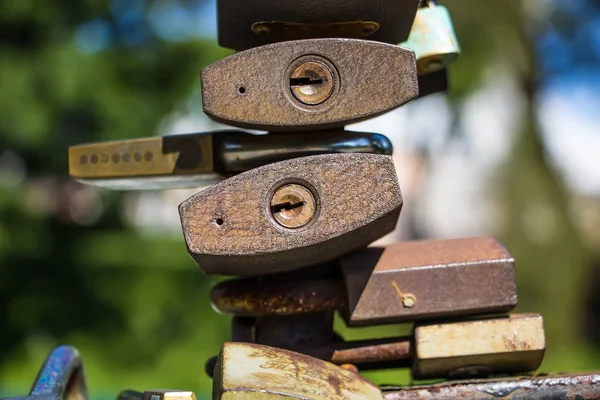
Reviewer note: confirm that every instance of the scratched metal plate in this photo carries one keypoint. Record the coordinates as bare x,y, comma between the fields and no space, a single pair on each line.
429,279
479,348
583,386
229,228
236,17
251,89
251,371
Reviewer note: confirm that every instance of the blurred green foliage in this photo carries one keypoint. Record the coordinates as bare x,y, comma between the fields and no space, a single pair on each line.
135,305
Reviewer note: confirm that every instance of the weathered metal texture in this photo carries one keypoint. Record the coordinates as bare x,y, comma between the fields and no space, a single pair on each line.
249,297
176,160
252,89
432,39
239,151
372,353
428,279
479,348
202,159
169,395
253,371
541,387
61,377
229,228
365,354
236,19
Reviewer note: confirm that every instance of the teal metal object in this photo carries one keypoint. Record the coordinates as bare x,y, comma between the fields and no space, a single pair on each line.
432,39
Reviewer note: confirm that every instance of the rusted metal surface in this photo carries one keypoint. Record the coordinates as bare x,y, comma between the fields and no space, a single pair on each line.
237,20
256,372
374,353
229,228
428,279
248,297
252,88
541,387
169,395
479,348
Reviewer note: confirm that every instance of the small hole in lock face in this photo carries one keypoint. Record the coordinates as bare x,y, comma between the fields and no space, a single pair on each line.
241,90
219,221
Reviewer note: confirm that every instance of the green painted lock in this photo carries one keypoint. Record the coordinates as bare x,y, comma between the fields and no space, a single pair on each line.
432,39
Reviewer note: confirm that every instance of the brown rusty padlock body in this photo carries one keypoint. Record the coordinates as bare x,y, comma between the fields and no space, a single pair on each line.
428,279
309,84
292,214
243,24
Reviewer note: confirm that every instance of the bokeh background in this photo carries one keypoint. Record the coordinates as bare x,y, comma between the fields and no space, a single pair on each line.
512,150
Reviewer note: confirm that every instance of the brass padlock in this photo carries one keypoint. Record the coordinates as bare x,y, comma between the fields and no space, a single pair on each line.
251,371
202,159
432,38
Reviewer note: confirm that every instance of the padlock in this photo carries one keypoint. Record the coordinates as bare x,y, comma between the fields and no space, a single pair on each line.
292,214
202,159
428,279
251,371
311,84
458,349
432,38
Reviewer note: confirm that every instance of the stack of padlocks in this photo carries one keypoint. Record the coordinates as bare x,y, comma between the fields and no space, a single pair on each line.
294,227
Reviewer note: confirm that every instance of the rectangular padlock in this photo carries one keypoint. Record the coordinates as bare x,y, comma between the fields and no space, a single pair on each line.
428,279
483,347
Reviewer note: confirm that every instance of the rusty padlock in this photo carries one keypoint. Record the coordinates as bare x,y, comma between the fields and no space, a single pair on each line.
309,84
291,214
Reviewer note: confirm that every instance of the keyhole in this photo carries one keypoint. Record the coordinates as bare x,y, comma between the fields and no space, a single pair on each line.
306,81
292,206
286,207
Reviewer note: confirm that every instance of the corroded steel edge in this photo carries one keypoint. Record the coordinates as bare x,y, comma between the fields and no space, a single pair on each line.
551,387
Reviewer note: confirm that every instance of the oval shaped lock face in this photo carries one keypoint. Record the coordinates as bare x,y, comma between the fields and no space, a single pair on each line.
291,214
309,84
